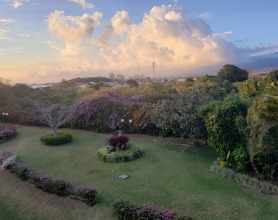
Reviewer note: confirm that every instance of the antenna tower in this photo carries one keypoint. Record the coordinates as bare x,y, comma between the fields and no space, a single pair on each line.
154,66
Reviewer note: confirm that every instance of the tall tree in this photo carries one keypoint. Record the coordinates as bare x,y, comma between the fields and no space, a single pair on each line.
232,73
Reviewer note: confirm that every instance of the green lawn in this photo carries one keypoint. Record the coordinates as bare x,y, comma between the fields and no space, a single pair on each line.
166,175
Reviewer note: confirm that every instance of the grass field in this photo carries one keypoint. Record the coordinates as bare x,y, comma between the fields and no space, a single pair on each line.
166,175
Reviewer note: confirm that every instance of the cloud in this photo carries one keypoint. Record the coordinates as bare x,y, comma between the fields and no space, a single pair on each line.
120,22
6,20
224,34
177,43
83,3
3,34
17,3
73,29
205,15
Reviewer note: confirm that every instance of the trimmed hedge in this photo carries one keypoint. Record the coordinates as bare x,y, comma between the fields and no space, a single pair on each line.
245,180
61,138
125,210
132,153
50,184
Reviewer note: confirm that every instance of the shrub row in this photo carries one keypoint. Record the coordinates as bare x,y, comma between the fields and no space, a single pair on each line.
7,132
132,153
125,210
245,180
61,138
50,184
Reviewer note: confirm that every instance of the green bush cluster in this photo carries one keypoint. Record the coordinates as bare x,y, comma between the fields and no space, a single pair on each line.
61,138
245,180
129,154
125,210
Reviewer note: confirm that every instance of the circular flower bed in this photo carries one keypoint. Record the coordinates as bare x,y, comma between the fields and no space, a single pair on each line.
132,153
61,138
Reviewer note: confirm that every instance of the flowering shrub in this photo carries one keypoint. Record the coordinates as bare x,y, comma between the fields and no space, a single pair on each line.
129,211
48,183
7,132
87,193
5,155
118,142
9,161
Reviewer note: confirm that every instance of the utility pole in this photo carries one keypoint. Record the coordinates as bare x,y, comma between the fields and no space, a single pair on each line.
154,66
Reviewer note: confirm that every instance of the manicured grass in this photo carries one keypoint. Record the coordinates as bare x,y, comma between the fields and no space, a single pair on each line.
165,175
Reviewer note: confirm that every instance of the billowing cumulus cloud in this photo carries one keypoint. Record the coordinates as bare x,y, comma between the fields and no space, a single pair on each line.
73,29
120,22
177,43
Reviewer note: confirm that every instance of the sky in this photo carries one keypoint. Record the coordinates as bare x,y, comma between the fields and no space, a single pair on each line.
47,41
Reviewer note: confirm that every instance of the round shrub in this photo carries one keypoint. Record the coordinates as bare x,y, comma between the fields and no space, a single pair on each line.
129,154
61,138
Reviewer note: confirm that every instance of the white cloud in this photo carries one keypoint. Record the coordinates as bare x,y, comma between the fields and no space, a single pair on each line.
205,15
3,34
69,49
178,44
120,22
224,34
6,20
17,3
73,29
84,3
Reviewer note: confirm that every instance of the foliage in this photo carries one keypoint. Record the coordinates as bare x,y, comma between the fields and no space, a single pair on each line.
51,184
8,161
7,132
263,123
245,180
272,76
125,210
61,138
232,73
117,141
87,193
179,116
5,155
226,126
132,83
132,153
251,88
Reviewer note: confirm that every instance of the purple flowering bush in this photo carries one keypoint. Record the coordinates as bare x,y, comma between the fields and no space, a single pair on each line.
125,210
5,155
86,193
50,184
7,132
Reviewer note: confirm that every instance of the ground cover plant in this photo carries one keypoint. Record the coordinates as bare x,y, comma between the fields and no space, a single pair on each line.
167,175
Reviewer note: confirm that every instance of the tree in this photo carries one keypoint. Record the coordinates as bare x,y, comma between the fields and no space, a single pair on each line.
263,139
54,114
232,73
272,76
132,83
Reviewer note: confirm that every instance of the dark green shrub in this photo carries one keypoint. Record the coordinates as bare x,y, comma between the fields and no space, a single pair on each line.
232,73
61,138
226,126
132,153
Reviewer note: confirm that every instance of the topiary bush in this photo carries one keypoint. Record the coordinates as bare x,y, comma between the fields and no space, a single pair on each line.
132,153
61,138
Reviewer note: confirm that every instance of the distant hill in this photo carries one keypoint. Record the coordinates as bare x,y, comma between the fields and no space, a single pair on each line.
90,79
264,62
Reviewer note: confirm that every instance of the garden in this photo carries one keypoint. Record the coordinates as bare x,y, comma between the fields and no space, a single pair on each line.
204,149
